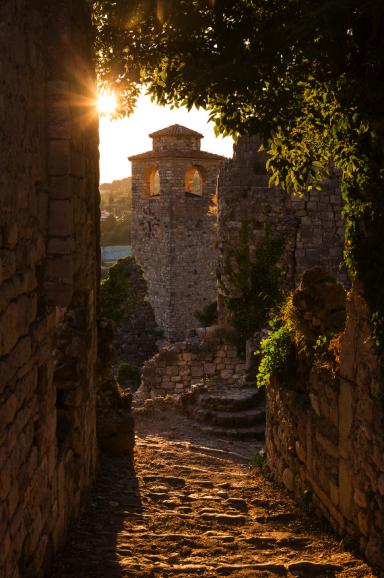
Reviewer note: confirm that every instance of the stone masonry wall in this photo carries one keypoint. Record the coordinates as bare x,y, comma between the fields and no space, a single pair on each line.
172,143
311,227
136,332
176,367
325,442
48,273
173,237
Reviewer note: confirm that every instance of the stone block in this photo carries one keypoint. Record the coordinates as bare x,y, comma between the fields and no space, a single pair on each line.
345,489
60,246
288,479
363,523
59,157
209,368
59,269
334,493
314,403
60,187
60,218
184,371
345,417
59,294
380,484
10,235
326,444
300,451
172,370
374,550
226,374
7,264
197,371
9,330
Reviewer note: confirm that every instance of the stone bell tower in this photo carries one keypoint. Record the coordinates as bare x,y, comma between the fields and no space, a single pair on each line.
173,231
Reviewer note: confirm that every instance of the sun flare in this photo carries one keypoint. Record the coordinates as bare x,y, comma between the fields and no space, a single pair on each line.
106,103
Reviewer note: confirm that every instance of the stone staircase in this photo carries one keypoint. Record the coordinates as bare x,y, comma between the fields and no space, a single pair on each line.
226,410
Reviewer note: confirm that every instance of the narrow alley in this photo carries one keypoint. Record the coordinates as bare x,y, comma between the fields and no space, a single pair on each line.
194,506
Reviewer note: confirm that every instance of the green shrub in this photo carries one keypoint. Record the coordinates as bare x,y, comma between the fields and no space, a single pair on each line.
115,293
128,372
276,352
289,348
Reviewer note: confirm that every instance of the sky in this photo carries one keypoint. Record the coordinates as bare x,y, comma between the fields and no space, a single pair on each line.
122,138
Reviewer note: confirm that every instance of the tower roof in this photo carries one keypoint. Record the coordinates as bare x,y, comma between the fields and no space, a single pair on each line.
192,155
176,130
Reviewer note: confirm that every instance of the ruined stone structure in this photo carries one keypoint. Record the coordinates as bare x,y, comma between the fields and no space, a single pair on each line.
310,227
211,355
173,234
114,420
136,332
48,277
325,437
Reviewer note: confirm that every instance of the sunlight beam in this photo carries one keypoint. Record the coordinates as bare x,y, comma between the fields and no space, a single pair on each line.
106,103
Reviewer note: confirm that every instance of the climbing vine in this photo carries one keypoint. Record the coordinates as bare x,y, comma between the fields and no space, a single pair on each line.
256,282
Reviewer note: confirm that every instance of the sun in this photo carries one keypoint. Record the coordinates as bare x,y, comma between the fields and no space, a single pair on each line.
106,103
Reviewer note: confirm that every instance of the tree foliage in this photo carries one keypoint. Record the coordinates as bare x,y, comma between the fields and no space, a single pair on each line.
115,230
307,75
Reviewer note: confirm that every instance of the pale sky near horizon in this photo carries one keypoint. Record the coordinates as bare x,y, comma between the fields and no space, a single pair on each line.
122,138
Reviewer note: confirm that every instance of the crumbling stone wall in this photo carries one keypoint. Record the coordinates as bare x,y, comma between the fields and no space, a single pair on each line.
311,227
136,332
114,420
209,355
173,233
325,441
48,275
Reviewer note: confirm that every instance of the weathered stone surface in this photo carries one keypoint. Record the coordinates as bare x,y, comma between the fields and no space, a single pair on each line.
338,460
319,304
173,233
178,366
136,334
310,227
47,432
115,427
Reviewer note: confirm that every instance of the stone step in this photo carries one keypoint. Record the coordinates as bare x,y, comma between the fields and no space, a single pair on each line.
241,399
256,432
232,419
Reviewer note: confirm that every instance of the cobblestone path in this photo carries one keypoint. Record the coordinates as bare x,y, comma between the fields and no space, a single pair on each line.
185,509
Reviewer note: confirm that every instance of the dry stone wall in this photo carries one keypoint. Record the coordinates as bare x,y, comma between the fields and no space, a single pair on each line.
48,274
311,227
325,442
208,356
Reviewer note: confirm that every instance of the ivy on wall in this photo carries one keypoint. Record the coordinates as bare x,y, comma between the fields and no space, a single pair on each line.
306,331
256,284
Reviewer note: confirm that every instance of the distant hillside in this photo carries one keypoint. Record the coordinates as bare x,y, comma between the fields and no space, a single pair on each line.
122,186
